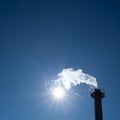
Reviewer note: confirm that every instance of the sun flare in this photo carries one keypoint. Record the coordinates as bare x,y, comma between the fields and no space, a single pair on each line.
58,93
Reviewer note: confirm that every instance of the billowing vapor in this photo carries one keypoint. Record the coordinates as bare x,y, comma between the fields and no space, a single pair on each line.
69,77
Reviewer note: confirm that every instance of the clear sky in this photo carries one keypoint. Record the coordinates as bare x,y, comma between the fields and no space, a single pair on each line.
40,38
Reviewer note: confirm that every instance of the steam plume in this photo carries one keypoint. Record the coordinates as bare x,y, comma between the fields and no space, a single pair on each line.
69,77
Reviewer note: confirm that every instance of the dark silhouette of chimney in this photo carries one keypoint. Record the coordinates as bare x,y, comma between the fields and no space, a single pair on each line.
97,95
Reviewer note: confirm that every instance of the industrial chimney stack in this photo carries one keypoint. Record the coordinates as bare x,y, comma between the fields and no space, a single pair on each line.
97,95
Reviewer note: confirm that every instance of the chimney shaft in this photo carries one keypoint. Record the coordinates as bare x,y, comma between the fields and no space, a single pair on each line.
97,95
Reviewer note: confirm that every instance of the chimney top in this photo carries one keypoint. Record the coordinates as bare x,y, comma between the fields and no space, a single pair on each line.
97,93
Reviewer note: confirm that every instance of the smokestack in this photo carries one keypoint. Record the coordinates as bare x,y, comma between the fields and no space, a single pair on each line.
97,95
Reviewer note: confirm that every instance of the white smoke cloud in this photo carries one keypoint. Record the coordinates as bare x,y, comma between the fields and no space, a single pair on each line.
69,77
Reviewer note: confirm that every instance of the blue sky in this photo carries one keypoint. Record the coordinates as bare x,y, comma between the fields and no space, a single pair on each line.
40,38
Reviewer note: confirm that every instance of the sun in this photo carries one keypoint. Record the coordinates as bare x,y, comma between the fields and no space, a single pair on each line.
58,93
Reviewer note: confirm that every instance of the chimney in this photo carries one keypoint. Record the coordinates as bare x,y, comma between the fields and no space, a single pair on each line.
97,95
